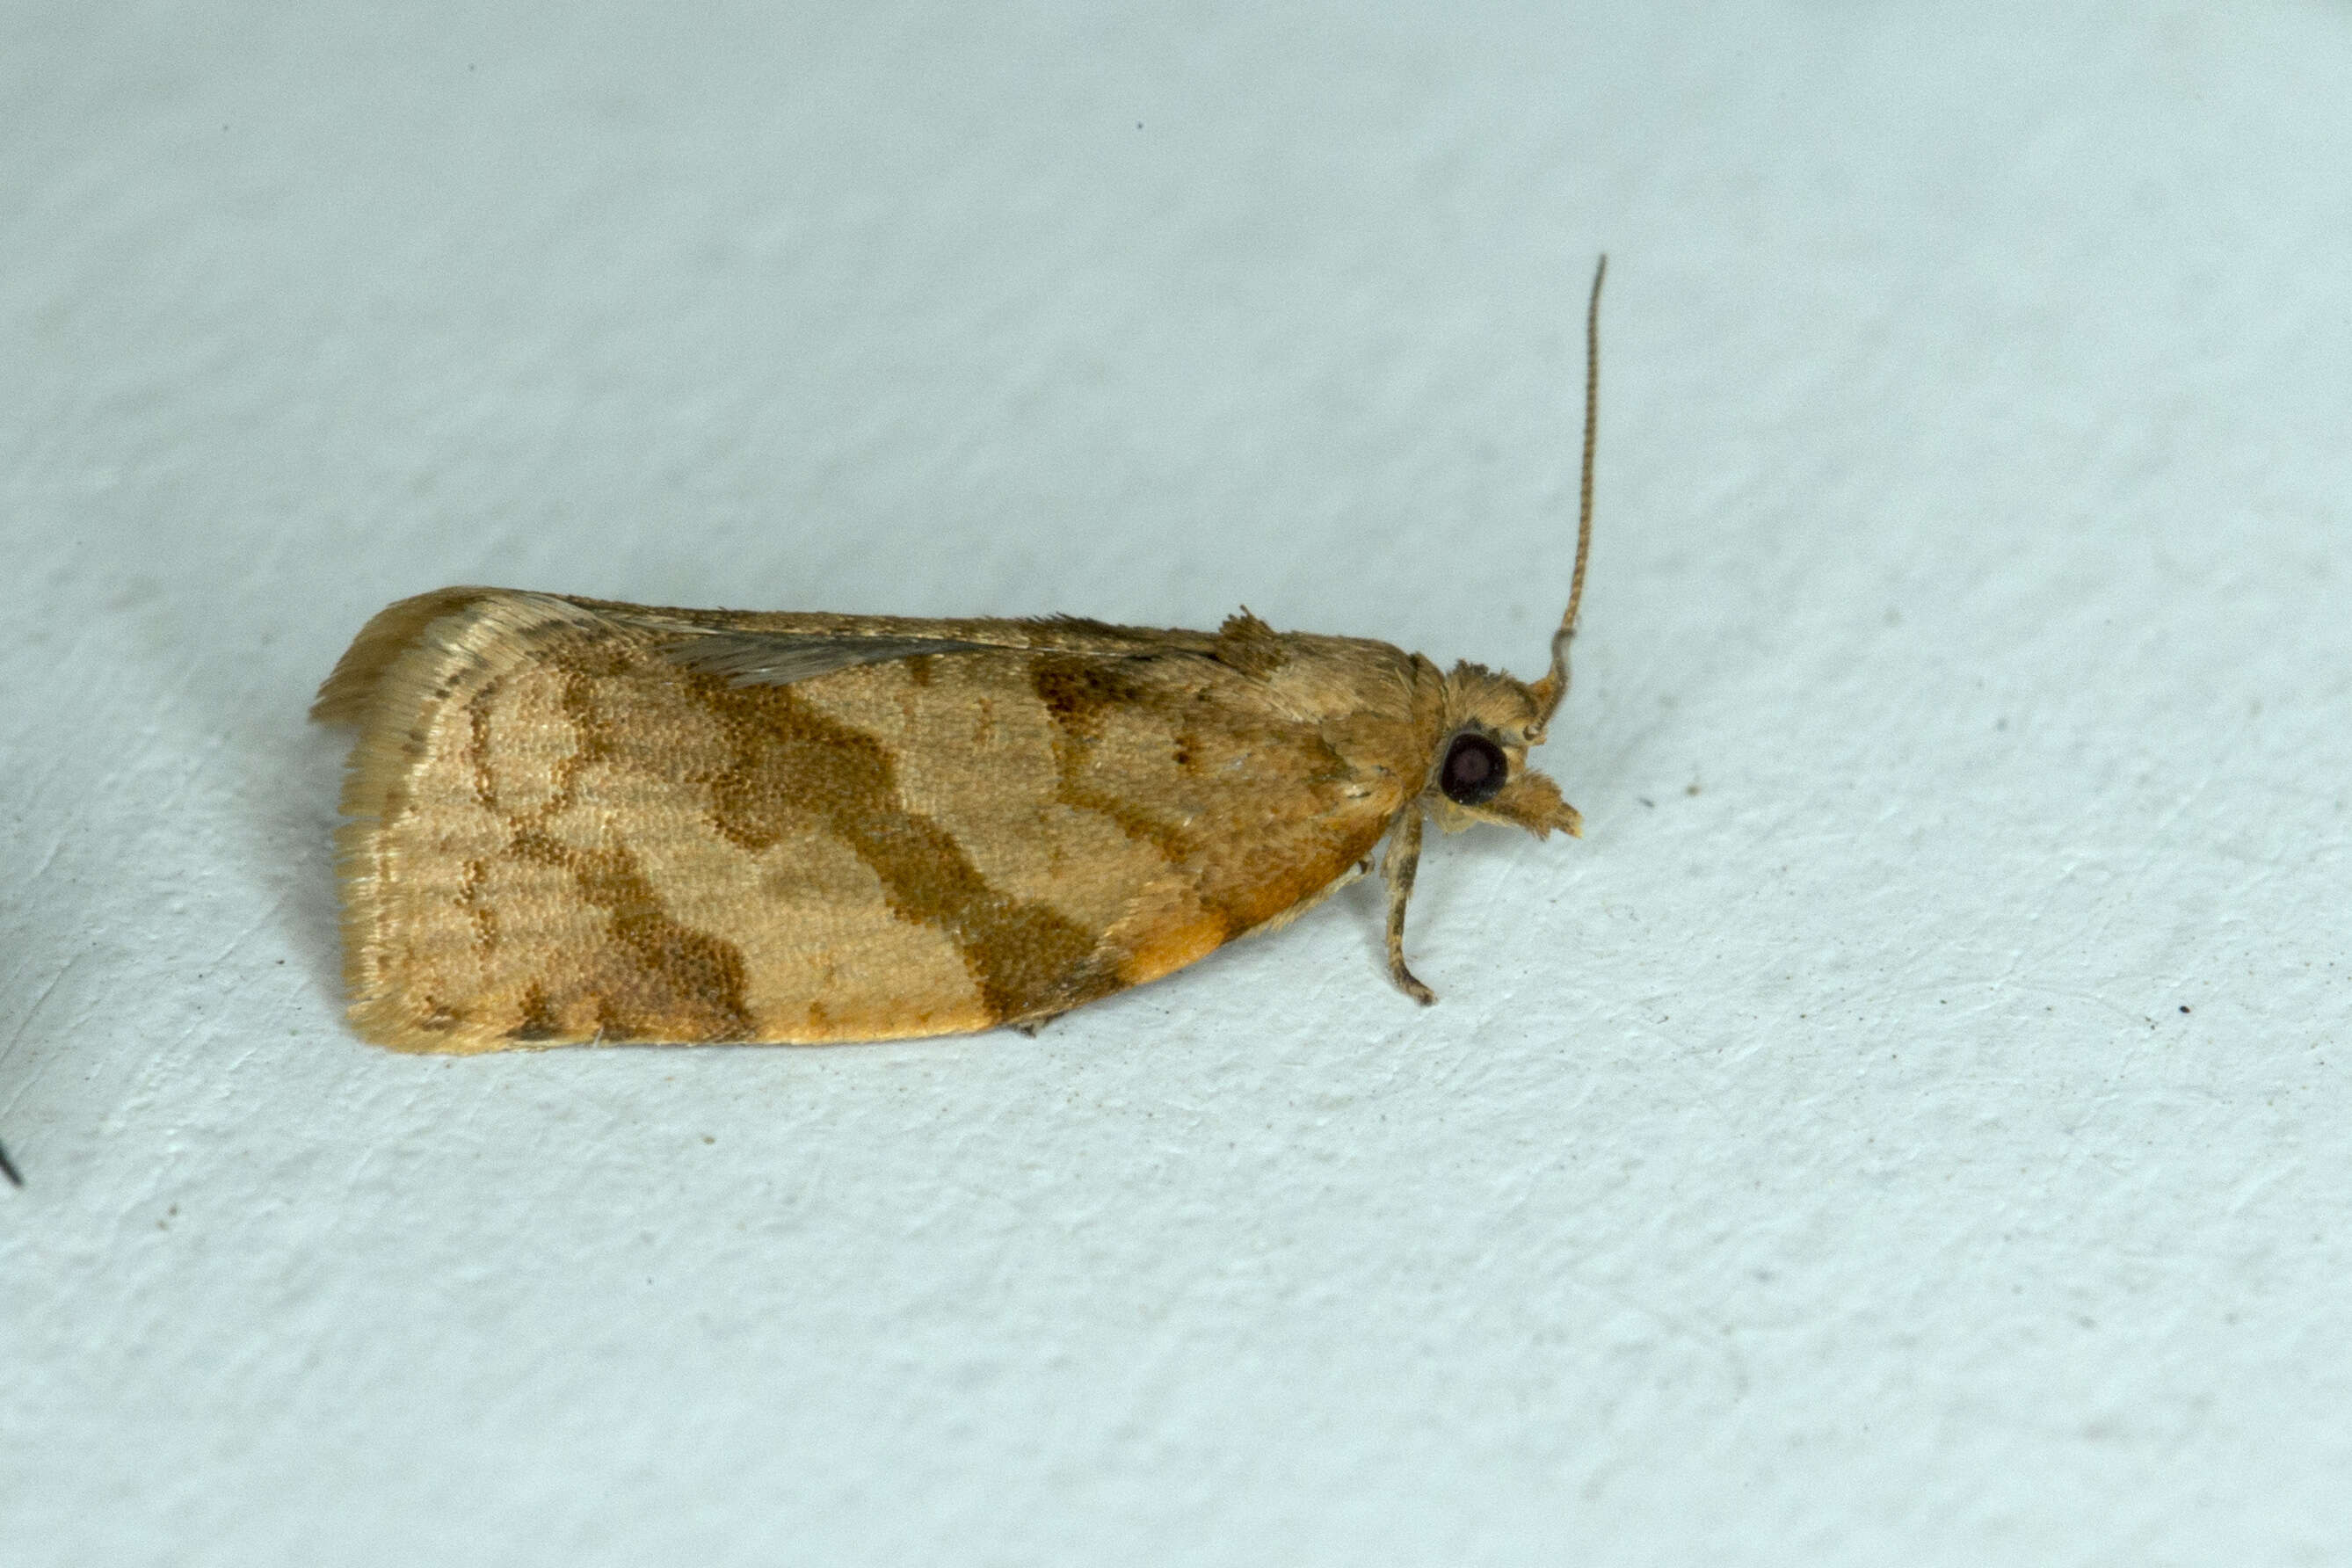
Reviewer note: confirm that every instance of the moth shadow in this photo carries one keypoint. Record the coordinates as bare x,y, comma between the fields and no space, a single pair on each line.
273,779
284,810
293,838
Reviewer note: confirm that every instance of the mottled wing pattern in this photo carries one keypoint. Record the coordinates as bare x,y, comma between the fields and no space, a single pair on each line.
563,829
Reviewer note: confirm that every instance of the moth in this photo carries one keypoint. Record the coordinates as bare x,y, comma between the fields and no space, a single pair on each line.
573,820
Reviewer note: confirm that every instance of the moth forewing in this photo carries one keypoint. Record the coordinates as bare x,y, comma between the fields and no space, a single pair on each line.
563,829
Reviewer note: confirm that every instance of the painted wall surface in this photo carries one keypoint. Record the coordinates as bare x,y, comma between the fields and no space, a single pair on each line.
1910,1127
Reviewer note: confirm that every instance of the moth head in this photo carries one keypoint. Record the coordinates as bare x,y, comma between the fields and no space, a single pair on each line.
1479,769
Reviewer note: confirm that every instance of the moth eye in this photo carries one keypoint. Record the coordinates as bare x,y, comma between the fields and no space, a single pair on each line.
1474,770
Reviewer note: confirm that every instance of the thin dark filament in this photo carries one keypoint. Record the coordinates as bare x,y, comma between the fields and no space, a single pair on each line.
1592,430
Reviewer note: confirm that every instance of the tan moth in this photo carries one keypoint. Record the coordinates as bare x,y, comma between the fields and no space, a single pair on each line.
573,820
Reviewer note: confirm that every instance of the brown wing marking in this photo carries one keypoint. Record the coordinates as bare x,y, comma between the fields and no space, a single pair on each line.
752,648
656,976
789,761
1254,817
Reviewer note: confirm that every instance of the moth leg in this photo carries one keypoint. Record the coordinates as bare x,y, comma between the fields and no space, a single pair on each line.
1402,860
1030,1026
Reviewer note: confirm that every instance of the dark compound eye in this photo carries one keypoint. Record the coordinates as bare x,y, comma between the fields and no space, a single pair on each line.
1474,770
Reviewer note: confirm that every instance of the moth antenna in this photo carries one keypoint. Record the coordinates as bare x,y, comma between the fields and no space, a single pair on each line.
1553,686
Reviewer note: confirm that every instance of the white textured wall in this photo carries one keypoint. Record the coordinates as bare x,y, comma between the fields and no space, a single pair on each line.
1911,1127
